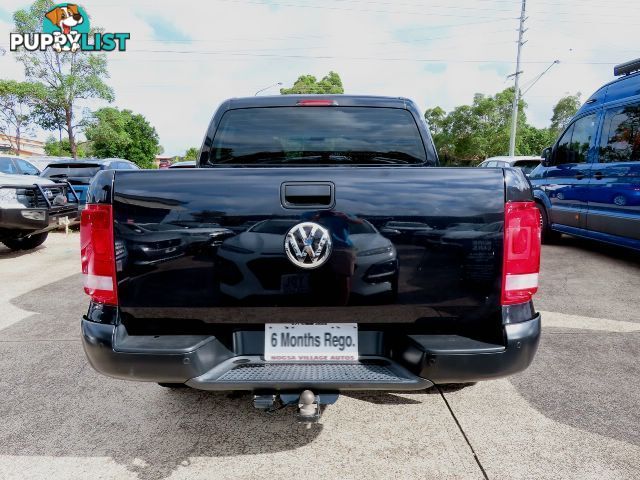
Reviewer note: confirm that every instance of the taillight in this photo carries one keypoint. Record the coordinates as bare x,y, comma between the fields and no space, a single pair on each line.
521,252
97,254
316,102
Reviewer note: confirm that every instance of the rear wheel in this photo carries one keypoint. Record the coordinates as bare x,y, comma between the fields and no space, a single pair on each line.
26,243
548,235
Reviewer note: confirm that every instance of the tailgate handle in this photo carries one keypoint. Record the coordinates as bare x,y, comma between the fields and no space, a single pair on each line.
307,194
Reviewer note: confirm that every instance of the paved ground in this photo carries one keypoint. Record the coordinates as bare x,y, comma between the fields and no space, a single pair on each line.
573,414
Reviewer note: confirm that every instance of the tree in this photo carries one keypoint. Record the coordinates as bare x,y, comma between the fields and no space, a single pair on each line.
17,100
191,154
67,76
330,83
48,116
435,118
61,148
470,133
534,140
564,110
123,134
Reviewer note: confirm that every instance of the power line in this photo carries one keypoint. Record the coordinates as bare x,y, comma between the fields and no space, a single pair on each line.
334,57
535,80
408,42
400,12
468,7
407,12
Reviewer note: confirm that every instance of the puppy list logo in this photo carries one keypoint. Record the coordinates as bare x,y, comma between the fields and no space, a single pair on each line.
65,28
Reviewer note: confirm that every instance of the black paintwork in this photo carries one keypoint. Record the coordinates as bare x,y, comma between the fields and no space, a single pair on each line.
184,220
200,259
179,358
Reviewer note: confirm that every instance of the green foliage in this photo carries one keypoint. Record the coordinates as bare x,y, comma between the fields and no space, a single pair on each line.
17,101
330,83
564,110
470,133
62,148
123,134
191,154
534,140
435,118
66,76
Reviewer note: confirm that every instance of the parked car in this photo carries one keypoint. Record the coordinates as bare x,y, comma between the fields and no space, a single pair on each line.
30,207
313,296
164,163
184,164
80,172
12,165
43,162
525,163
588,184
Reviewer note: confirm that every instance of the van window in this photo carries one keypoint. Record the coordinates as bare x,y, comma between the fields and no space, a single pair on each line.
621,135
573,146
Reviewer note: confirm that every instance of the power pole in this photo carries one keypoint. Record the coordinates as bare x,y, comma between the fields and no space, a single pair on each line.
516,97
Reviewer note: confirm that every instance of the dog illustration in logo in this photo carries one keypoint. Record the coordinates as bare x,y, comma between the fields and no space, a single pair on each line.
65,18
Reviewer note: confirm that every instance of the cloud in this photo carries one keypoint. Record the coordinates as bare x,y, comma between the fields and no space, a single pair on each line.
179,67
5,16
166,31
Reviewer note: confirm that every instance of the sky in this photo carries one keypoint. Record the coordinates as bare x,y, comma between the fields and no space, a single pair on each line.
185,58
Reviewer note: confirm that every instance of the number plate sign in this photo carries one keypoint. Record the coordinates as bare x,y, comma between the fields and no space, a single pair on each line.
295,342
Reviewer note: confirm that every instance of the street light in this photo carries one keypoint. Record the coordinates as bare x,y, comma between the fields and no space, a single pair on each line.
267,88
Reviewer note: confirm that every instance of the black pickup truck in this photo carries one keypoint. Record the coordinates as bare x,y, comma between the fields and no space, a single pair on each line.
317,247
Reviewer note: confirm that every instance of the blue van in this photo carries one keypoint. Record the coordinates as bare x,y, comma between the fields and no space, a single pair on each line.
588,183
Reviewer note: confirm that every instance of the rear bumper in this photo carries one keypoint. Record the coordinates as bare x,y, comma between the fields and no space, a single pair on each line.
205,362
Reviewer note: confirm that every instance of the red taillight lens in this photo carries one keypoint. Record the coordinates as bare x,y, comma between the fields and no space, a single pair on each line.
521,252
316,103
97,253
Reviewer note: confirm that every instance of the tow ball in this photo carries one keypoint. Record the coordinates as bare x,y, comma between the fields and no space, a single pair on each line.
309,404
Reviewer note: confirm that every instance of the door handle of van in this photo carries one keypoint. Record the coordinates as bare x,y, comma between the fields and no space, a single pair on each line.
598,176
579,176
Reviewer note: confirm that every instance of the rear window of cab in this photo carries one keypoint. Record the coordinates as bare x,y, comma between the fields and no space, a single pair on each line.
318,136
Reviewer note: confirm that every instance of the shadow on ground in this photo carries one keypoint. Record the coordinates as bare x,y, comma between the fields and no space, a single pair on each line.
588,380
53,403
612,252
403,397
6,252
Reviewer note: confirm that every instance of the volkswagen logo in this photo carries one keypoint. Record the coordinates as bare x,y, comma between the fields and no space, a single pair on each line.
308,245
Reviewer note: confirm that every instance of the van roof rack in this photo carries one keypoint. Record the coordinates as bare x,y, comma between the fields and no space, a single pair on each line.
627,67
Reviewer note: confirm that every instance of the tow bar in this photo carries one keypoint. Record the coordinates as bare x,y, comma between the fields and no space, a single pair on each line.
309,404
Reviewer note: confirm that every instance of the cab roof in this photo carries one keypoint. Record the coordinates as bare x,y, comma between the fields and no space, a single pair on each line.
338,99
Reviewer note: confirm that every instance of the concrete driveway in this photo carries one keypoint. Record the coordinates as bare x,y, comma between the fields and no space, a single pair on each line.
573,414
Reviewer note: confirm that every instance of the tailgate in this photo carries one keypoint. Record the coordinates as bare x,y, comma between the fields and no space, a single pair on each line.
408,245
